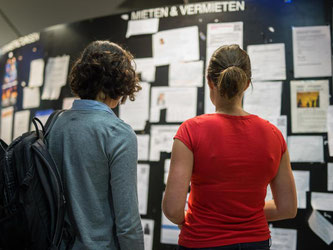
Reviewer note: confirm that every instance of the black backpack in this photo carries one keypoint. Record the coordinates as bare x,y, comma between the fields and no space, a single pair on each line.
32,200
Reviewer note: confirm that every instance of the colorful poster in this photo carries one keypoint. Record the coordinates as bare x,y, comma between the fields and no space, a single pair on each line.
9,86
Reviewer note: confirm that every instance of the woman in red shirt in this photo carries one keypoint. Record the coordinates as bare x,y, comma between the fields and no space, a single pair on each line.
230,157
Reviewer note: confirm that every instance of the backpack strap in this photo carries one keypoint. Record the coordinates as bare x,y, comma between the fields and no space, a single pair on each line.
3,146
35,120
51,120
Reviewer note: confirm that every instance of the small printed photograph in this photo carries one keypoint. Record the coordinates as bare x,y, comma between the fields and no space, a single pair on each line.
308,99
161,99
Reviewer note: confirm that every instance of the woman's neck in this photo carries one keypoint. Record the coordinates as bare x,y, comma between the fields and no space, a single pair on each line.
230,107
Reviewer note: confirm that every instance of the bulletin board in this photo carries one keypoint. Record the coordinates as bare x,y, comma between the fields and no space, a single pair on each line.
264,22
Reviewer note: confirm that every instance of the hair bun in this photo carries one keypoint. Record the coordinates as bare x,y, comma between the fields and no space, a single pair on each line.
231,80
229,69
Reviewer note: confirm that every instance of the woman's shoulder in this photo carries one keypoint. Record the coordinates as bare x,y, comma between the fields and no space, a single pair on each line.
266,123
271,128
201,118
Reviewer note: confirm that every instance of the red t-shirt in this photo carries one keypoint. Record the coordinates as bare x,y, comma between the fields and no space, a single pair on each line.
235,158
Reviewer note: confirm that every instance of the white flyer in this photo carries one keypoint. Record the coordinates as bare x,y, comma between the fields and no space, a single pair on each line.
302,182
143,147
143,187
146,68
188,74
36,75
171,98
31,97
309,104
321,227
161,140
283,239
176,45
312,51
268,61
55,77
148,233
322,201
141,27
21,122
306,148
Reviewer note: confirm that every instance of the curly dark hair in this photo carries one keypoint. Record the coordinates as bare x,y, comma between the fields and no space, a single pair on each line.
104,67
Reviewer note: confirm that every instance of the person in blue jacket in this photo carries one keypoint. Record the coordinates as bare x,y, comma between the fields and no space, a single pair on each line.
97,152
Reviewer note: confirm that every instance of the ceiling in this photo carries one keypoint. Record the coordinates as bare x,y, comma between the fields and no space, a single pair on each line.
22,17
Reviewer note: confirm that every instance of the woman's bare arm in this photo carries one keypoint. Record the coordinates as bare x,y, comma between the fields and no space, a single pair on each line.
180,173
284,205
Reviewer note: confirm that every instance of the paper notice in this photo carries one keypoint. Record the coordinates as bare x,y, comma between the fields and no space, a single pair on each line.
171,98
143,186
322,201
302,181
283,239
55,77
36,75
309,103
31,97
176,45
219,34
148,233
321,227
142,27
188,74
143,147
312,51
330,176
268,61
306,148
146,68
161,140
21,122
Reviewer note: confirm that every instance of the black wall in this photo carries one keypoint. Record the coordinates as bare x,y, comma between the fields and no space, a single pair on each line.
258,16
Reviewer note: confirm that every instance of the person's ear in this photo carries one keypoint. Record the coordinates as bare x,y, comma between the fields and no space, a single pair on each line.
210,83
247,84
101,96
